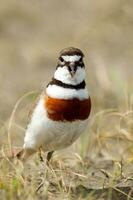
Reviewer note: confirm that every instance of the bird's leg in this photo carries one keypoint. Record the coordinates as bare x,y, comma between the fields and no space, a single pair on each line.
40,155
24,154
49,155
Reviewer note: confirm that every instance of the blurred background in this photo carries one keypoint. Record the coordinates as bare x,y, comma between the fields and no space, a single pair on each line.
31,35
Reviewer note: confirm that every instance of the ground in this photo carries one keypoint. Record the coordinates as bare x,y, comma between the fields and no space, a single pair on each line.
100,164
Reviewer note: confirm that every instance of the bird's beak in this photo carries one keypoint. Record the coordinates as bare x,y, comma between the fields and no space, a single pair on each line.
72,73
72,69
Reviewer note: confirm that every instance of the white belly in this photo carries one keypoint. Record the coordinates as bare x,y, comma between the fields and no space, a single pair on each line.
51,135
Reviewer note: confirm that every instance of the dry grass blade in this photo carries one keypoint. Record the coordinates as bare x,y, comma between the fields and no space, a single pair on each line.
12,118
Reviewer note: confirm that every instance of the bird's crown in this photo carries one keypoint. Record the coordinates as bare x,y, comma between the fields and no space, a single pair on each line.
70,51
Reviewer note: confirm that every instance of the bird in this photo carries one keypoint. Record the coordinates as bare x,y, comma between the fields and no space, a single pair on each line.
62,111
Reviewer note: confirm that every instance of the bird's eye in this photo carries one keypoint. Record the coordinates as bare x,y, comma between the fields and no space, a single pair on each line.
61,59
80,60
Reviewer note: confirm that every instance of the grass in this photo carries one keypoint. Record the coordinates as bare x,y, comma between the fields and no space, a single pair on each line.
98,165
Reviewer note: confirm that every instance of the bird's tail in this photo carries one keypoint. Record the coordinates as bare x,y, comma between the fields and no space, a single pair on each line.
24,154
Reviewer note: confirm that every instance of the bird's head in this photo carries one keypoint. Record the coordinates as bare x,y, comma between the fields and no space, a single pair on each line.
70,68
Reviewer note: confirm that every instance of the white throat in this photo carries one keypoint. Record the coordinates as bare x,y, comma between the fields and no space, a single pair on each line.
62,74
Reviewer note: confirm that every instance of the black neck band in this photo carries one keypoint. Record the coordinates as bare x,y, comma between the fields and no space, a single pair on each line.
64,85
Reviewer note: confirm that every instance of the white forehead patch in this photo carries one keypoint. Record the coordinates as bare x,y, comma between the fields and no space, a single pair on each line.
71,58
